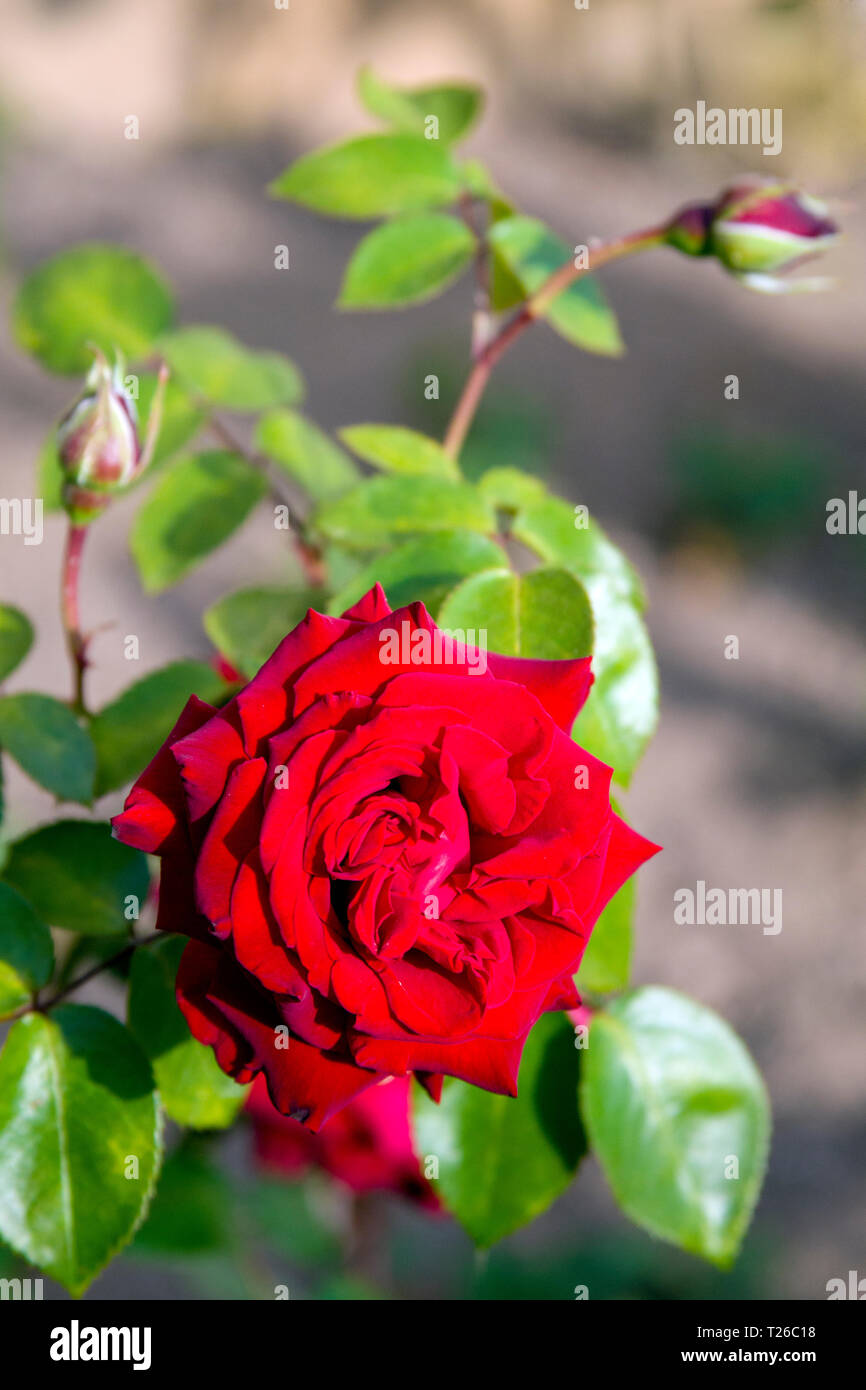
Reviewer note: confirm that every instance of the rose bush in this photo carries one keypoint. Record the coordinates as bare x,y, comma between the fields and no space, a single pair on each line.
383,867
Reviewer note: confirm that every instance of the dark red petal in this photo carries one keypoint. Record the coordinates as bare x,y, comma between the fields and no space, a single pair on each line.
371,607
154,815
560,686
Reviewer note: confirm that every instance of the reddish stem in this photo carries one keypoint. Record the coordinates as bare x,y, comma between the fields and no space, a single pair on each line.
533,308
75,639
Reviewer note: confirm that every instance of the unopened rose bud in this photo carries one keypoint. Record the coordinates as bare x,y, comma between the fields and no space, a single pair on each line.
98,443
756,231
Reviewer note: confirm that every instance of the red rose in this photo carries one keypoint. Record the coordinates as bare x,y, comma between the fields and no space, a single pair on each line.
367,1145
384,855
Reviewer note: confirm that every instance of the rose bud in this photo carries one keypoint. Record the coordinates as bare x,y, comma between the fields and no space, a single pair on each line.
98,443
381,858
756,230
367,1146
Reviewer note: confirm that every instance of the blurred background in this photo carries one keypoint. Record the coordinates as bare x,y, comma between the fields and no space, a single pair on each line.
757,775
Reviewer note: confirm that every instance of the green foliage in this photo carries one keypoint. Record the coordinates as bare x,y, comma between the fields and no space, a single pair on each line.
91,294
49,744
215,367
26,951
76,876
421,570
80,1141
246,626
407,261
672,1100
544,614
384,508
503,1161
191,1211
607,958
305,453
530,252
128,732
194,507
192,1088
456,105
16,638
372,176
398,450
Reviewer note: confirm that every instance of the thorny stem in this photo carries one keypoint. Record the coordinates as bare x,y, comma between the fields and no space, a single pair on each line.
36,1007
309,556
75,639
531,310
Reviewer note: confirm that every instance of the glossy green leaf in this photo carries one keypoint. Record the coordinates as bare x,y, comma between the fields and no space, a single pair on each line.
544,614
407,261
80,1141
213,365
383,509
422,571
246,627
677,1114
620,715
130,730
26,951
530,253
192,1088
510,489
372,176
76,876
503,1161
306,454
91,294
48,743
607,959
16,638
193,508
456,105
397,450
562,535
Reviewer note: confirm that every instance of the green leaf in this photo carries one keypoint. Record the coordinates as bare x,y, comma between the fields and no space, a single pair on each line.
192,1088
545,614
530,252
510,489
16,638
192,510
213,365
422,571
670,1097
181,417
620,716
306,454
407,261
49,744
91,294
398,450
76,876
26,951
561,536
502,1161
49,475
607,959
383,508
456,105
372,176
246,626
76,1107
128,732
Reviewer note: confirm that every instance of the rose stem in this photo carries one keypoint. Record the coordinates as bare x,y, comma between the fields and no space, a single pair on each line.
531,310
75,640
309,556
